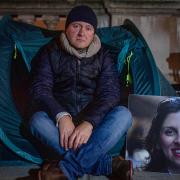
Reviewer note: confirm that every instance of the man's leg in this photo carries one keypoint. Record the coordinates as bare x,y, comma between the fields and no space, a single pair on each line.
92,157
44,129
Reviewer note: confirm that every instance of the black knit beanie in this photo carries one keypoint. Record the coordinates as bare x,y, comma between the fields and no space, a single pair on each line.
82,13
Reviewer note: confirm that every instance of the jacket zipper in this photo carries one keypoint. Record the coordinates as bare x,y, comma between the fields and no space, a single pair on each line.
78,79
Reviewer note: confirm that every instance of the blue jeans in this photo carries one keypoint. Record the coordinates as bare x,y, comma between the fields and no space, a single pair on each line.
92,157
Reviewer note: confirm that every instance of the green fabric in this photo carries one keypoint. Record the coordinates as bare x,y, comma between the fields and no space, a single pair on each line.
28,39
10,120
124,40
144,71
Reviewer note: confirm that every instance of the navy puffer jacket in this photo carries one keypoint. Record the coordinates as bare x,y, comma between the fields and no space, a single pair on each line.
87,88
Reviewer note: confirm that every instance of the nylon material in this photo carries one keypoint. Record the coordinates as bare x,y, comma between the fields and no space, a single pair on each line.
165,88
140,74
11,131
8,112
11,123
145,92
27,51
138,44
122,56
22,144
10,128
24,43
16,138
108,35
138,85
17,150
7,117
14,124
7,99
9,106
155,76
138,70
25,58
6,48
20,141
142,78
144,89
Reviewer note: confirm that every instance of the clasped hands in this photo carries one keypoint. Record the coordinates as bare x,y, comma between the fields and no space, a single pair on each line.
72,137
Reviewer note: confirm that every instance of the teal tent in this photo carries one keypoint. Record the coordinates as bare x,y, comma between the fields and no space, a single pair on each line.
20,43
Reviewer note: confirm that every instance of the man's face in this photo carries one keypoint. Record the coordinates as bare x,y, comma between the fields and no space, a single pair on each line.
80,34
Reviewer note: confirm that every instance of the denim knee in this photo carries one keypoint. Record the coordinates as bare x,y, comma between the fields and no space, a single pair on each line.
123,113
35,122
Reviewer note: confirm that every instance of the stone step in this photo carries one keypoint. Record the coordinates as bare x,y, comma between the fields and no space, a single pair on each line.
23,172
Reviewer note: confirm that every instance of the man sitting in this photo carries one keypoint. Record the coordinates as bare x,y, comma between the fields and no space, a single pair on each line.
76,94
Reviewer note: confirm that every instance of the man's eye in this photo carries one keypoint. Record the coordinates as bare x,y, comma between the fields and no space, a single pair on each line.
89,28
75,25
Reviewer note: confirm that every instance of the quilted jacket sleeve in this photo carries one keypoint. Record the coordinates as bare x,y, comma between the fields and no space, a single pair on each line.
42,84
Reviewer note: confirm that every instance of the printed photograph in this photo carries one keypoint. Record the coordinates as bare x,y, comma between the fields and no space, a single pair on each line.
153,141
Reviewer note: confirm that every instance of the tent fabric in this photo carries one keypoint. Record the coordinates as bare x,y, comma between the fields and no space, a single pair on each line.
12,33
157,81
123,41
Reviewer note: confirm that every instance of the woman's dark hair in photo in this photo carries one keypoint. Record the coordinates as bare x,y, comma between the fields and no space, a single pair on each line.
158,159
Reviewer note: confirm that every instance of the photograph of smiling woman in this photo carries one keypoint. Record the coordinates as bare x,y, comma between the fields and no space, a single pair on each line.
163,139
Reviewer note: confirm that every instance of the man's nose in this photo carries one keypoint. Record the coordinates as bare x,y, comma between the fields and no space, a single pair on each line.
81,31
